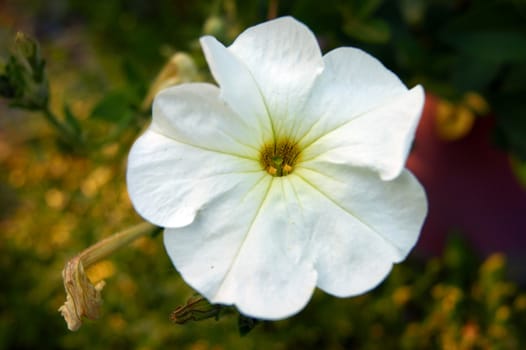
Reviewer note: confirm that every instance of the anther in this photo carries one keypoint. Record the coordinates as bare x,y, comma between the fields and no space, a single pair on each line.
278,158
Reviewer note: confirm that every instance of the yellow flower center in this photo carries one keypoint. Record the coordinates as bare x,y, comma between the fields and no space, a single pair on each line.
279,157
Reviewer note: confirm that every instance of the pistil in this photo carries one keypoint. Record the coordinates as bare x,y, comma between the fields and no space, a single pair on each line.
279,158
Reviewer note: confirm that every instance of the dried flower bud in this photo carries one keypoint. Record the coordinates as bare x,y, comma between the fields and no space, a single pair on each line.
83,298
196,309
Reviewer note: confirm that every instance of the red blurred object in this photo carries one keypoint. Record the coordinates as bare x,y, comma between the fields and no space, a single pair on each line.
471,190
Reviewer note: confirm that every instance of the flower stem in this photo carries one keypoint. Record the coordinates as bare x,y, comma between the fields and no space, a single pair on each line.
54,121
272,9
104,248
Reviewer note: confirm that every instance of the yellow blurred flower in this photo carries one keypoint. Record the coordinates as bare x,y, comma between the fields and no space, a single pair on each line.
455,121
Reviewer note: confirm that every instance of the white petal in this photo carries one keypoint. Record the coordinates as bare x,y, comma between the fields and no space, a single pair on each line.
362,225
238,88
379,139
362,113
169,181
284,58
194,114
348,255
248,252
265,252
394,210
352,82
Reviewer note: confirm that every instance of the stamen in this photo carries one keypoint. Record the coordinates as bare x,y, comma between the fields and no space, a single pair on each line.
272,171
278,158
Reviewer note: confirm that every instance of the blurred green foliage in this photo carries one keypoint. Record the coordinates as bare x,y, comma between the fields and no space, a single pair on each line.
24,79
451,47
101,57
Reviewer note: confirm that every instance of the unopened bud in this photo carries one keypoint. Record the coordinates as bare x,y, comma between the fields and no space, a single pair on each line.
215,26
24,80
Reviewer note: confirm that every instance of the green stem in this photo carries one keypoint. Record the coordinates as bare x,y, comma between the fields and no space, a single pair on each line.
54,121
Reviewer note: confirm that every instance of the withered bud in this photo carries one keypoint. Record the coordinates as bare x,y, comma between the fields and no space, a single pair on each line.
83,298
196,309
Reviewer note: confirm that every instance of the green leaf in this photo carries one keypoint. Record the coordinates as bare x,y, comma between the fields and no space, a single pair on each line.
490,46
113,108
135,80
246,324
519,169
72,122
510,125
6,90
372,31
471,74
367,7
513,78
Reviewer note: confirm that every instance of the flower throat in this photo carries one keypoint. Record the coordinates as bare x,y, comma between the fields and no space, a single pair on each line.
278,158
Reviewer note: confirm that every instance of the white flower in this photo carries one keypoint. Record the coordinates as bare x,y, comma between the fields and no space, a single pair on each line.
287,177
